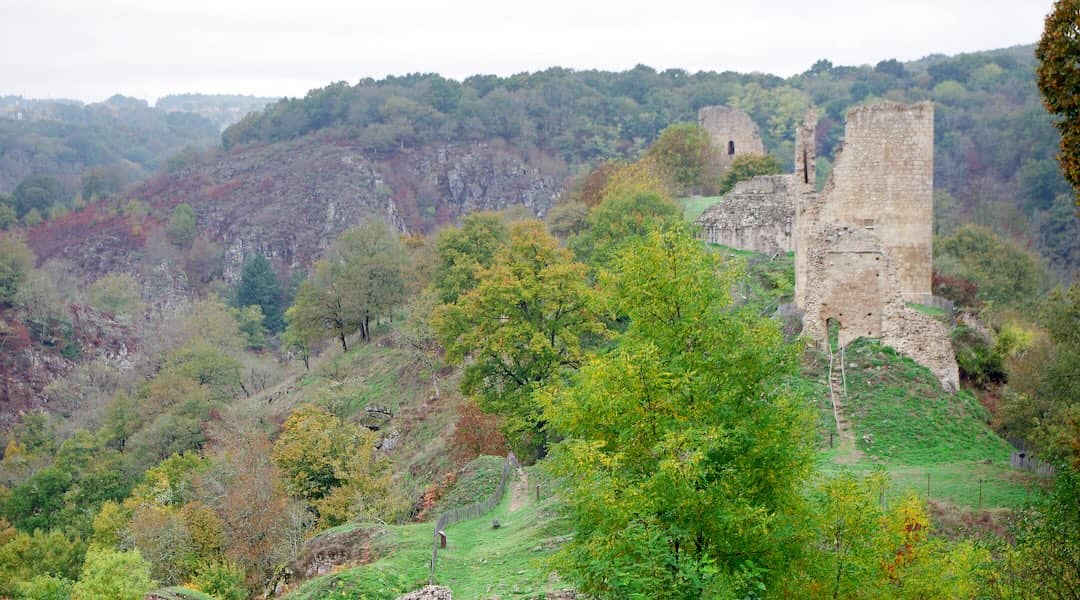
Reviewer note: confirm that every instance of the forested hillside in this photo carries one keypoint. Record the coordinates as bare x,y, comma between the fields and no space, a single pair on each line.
58,155
265,370
994,142
124,137
220,109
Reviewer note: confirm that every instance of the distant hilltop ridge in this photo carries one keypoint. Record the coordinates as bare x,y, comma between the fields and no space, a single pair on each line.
221,109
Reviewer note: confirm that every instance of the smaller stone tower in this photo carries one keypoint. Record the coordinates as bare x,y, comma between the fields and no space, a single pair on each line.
733,132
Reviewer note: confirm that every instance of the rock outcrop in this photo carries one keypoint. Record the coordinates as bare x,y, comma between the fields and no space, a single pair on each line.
288,201
431,592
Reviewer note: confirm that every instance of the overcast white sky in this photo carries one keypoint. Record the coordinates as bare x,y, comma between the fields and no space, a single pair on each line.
91,49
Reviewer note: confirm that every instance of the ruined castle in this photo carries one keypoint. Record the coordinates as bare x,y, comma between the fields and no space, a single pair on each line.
863,245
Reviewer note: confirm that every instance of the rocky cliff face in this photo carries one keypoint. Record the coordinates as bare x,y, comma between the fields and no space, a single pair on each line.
289,200
29,363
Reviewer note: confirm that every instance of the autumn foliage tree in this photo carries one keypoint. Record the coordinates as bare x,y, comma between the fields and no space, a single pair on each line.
1058,53
528,319
685,154
476,434
334,466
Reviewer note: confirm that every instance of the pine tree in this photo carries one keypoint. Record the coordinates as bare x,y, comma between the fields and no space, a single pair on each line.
259,287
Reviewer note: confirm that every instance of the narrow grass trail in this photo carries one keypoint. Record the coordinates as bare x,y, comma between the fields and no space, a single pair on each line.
847,452
479,561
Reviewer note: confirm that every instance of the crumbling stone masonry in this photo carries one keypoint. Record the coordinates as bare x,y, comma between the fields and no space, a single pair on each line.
862,245
883,181
733,132
755,215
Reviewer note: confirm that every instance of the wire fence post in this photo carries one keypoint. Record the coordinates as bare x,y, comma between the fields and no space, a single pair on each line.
476,509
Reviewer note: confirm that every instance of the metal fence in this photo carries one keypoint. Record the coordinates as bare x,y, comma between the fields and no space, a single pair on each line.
471,511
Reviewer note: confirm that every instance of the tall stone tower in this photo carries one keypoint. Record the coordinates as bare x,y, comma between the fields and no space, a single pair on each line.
733,132
883,180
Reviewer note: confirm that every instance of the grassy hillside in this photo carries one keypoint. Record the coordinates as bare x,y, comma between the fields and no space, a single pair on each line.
479,561
694,206
903,421
381,374
906,425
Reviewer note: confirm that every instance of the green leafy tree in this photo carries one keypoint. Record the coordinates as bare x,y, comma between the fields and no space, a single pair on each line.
319,309
252,324
112,575
109,525
685,154
222,580
208,366
462,251
8,218
1041,405
299,341
16,262
683,456
748,166
527,319
1058,53
32,218
259,286
45,587
363,277
1007,275
370,264
567,219
37,502
37,193
1045,561
621,220
27,555
181,229
117,294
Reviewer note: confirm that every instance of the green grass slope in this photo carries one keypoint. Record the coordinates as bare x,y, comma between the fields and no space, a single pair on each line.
930,442
479,561
695,205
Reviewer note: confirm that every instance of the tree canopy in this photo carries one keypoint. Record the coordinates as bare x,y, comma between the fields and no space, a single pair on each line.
259,287
669,435
1058,53
528,319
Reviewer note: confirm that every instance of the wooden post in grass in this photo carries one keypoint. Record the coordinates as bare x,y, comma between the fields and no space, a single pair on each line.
980,494
442,539
538,492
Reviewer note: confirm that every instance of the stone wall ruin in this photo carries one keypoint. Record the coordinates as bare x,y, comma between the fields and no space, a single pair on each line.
755,215
863,245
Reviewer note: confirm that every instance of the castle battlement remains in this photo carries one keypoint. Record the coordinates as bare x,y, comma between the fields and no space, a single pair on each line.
863,245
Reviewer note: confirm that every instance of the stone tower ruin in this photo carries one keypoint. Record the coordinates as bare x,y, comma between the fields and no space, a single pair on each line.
863,245
733,132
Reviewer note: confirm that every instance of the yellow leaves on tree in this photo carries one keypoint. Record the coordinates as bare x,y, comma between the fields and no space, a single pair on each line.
333,464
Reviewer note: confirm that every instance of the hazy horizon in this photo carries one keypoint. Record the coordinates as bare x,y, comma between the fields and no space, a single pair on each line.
89,52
